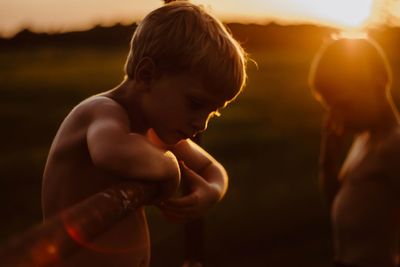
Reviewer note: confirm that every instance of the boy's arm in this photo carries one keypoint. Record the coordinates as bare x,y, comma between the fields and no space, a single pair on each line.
205,177
202,163
332,142
113,148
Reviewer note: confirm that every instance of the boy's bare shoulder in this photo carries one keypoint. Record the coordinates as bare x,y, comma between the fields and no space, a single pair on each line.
100,106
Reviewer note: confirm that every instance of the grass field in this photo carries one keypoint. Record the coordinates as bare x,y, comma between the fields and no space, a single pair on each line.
268,141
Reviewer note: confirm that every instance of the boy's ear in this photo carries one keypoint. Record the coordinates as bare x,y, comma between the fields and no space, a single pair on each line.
145,70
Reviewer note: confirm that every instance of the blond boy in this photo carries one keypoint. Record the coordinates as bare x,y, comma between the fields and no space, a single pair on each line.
182,68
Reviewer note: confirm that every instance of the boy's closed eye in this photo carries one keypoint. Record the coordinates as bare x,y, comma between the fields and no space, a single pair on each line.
195,103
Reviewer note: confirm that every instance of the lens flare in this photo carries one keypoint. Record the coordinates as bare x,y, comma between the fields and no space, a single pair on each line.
350,35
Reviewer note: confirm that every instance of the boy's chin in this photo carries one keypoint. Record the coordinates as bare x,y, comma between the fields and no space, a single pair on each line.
172,140
168,138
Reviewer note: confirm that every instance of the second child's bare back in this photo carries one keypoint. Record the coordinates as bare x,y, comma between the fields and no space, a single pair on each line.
71,176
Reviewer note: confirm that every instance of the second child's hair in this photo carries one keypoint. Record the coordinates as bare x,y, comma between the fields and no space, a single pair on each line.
356,61
180,37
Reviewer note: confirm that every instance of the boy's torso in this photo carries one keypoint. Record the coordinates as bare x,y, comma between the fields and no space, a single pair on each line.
363,213
70,177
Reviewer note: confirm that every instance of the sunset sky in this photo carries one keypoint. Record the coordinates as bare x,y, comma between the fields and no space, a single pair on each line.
61,15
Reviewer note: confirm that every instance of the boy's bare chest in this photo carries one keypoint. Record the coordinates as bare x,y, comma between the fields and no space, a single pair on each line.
363,163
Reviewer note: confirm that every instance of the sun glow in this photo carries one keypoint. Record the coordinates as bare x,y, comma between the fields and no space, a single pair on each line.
351,35
343,14
349,15
51,15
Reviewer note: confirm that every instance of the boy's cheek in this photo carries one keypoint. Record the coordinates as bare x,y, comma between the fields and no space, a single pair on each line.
155,140
158,145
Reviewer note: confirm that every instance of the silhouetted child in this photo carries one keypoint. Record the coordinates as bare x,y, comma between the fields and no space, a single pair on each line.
182,68
352,79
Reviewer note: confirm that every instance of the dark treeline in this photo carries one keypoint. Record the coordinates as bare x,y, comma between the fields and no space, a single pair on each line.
96,37
252,36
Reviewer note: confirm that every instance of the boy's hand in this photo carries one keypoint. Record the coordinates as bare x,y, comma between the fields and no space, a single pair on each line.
202,196
332,142
332,146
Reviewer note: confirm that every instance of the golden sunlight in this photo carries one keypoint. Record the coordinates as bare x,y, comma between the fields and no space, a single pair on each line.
345,14
351,35
349,15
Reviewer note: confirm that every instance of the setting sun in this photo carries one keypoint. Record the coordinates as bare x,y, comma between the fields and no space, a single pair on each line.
346,14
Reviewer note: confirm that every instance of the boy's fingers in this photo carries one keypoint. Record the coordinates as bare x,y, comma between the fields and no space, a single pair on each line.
191,180
186,201
188,172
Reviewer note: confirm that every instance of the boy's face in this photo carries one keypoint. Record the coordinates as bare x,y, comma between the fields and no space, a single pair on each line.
355,107
179,106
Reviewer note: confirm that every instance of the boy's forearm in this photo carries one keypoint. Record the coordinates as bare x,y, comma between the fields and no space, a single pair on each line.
215,174
329,166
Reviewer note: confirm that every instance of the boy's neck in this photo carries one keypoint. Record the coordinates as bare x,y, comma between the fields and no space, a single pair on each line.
130,99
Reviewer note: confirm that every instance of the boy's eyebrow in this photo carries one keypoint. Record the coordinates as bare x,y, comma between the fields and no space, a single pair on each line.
201,96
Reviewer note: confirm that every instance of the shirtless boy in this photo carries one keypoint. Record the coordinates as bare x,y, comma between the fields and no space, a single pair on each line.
182,69
352,79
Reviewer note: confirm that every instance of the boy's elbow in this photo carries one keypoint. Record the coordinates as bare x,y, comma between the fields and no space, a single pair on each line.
219,177
165,168
101,159
225,185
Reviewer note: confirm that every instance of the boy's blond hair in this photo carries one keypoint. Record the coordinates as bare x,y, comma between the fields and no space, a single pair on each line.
181,36
355,61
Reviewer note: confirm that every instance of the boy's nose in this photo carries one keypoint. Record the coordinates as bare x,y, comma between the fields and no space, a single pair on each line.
200,124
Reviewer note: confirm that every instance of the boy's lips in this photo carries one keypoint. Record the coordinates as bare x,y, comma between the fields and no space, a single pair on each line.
186,135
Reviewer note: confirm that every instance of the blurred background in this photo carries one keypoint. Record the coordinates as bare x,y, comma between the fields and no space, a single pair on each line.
54,54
